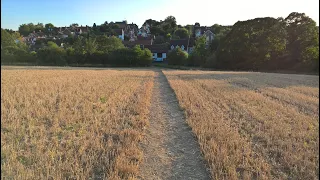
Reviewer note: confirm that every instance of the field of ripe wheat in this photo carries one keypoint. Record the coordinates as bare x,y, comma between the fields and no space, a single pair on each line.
73,124
253,125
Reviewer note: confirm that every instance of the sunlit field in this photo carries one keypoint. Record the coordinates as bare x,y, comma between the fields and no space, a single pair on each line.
73,124
253,125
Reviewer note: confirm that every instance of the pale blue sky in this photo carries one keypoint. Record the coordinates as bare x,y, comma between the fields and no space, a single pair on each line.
206,12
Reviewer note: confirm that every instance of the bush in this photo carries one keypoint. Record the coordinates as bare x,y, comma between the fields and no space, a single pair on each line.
131,57
146,58
122,57
193,59
52,55
97,57
211,61
14,54
177,57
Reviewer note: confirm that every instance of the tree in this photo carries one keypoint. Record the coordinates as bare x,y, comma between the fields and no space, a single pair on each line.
199,53
31,27
108,44
253,45
9,31
177,57
90,46
6,39
303,39
169,25
48,27
94,26
52,55
172,21
115,26
159,40
168,36
146,58
24,29
39,27
74,24
216,28
182,33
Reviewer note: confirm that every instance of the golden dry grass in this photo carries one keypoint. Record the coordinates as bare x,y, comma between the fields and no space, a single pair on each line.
253,125
73,124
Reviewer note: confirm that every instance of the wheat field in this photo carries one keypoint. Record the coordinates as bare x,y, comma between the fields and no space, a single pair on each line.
252,125
73,124
89,124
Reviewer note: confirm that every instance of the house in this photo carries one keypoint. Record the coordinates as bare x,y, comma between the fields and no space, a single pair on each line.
209,37
65,33
119,33
182,43
144,31
62,32
81,30
32,37
131,30
159,51
128,28
139,41
199,31
122,25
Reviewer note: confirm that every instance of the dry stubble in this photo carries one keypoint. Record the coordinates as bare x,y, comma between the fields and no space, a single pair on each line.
253,125
75,124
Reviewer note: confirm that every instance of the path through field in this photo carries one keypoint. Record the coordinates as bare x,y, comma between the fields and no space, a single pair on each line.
170,148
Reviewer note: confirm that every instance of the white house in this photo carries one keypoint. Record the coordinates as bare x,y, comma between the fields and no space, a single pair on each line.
144,31
159,51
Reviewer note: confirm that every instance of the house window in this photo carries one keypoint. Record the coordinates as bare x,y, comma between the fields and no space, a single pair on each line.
159,55
177,46
182,47
172,46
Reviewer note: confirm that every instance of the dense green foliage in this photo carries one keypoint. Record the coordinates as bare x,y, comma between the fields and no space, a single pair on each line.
12,51
253,44
177,57
100,50
182,33
271,44
262,44
162,28
257,44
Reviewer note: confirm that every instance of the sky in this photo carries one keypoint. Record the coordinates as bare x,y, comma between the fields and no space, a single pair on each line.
206,12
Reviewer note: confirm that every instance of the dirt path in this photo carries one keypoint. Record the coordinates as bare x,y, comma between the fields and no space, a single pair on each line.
170,149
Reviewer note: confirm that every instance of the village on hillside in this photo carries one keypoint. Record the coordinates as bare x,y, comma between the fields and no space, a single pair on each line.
130,35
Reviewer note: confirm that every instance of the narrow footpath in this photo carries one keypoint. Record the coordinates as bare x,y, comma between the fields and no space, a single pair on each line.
170,149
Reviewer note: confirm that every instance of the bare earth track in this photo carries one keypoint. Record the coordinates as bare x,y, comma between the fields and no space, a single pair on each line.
170,148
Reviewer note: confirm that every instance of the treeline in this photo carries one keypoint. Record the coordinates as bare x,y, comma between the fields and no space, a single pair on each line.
169,29
263,44
76,51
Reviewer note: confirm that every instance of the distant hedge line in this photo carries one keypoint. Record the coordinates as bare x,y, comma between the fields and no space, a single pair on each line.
60,57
